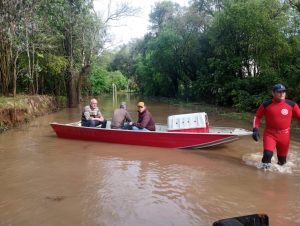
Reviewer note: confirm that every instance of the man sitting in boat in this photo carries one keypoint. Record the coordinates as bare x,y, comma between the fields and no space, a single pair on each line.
145,121
92,117
121,117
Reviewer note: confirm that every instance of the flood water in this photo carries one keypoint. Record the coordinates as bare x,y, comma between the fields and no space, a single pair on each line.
45,180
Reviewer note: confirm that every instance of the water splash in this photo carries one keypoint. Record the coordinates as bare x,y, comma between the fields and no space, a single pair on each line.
292,165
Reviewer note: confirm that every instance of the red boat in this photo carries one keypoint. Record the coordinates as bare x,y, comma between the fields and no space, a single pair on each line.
182,131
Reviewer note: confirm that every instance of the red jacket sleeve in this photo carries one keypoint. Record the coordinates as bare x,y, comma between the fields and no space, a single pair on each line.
258,116
296,112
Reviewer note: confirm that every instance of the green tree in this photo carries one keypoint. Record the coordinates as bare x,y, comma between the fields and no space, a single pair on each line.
98,80
161,14
247,41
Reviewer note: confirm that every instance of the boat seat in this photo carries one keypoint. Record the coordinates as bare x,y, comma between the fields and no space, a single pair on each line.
76,123
108,124
187,121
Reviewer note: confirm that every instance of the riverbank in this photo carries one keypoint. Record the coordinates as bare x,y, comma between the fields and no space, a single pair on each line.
21,109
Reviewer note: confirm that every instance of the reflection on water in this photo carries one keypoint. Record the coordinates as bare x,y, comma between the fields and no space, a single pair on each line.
50,181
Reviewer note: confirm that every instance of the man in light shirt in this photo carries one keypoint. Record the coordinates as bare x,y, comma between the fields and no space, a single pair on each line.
92,117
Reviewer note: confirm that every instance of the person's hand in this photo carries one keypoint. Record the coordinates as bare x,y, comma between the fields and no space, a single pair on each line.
255,134
130,123
100,119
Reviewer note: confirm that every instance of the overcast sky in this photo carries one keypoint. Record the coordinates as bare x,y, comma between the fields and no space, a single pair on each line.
133,27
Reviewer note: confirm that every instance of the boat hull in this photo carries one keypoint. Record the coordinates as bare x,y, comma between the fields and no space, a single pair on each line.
151,138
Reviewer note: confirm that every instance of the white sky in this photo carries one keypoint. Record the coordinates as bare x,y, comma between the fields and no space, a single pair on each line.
132,27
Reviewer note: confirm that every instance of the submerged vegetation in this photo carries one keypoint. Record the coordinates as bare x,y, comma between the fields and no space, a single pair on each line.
226,52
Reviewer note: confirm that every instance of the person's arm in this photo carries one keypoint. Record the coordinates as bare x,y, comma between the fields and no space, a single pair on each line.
144,122
98,116
296,112
258,116
256,122
128,117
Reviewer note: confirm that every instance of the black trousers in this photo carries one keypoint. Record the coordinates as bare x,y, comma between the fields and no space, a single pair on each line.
93,123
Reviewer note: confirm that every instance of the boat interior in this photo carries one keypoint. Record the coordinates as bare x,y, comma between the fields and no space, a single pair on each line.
212,130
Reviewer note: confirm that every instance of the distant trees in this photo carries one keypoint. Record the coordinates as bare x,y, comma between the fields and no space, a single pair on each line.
101,81
247,43
49,46
228,52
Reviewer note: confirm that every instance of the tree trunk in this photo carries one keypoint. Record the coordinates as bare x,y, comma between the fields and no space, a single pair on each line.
71,88
83,73
30,85
70,78
15,74
5,63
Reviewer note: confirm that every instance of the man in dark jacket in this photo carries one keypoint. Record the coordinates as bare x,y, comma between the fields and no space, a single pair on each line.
145,121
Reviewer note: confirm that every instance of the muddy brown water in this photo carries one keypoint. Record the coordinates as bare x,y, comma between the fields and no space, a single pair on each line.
45,180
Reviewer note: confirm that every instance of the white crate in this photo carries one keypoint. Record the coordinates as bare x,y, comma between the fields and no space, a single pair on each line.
187,121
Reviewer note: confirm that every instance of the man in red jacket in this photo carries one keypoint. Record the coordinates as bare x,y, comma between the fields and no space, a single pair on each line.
278,114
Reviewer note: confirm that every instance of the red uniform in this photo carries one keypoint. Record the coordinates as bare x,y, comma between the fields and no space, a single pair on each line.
278,117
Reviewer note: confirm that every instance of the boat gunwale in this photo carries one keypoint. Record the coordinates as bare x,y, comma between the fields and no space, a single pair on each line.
168,132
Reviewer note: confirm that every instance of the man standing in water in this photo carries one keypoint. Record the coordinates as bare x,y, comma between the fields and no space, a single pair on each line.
278,114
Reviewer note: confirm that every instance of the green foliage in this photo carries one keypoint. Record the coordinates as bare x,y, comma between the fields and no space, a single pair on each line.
123,61
48,45
118,79
61,101
227,52
147,84
247,34
162,13
247,94
290,68
101,80
55,64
